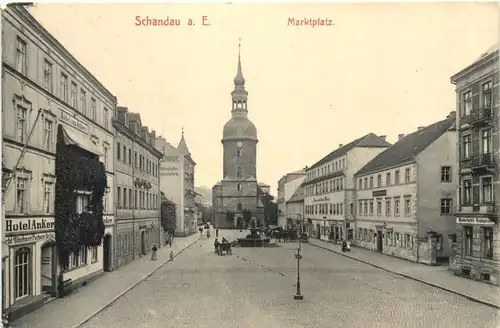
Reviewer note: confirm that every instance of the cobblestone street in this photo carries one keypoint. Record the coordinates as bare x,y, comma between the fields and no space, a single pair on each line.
255,287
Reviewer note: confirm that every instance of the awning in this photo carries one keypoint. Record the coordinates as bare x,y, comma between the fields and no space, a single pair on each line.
74,137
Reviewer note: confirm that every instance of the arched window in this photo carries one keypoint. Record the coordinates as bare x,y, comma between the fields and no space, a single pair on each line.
234,104
239,207
22,272
239,172
239,186
239,104
239,152
245,105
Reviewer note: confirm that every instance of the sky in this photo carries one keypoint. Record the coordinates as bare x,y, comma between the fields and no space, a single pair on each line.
381,68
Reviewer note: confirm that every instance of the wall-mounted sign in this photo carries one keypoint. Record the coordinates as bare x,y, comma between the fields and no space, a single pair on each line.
169,171
28,225
169,158
476,221
321,199
109,220
379,193
65,117
26,239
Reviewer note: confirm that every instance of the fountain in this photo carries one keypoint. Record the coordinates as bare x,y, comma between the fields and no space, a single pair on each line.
253,239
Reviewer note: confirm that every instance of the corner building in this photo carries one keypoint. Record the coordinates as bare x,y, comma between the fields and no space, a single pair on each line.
405,196
137,182
239,190
46,90
477,247
329,187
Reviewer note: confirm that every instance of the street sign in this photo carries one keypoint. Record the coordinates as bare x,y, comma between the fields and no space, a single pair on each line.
298,256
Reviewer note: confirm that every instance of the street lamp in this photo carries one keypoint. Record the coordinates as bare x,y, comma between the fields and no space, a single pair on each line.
298,256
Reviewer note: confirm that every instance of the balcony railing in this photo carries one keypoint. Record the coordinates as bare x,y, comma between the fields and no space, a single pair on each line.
480,115
480,161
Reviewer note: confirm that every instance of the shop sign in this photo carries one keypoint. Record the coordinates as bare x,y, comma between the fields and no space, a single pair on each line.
169,171
379,193
65,117
321,199
475,221
26,239
28,225
108,220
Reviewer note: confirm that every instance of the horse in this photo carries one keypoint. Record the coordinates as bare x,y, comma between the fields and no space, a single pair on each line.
280,235
225,247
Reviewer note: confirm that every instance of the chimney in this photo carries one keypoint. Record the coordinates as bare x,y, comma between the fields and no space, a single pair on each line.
421,127
452,114
341,145
382,137
401,136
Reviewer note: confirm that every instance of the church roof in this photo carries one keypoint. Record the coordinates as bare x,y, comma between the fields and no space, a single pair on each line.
239,127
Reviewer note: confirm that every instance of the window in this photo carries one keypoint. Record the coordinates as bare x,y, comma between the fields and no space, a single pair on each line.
47,76
124,197
130,205
388,207
388,179
467,96
124,154
21,201
487,94
22,272
371,182
75,259
379,180
21,62
468,240
407,175
22,124
47,135
239,152
379,207
73,95
93,109
446,174
82,201
396,207
466,146
130,156
488,242
407,207
64,87
47,197
83,101
446,204
118,151
486,141
239,207
467,186
396,177
486,190
83,255
238,172
239,187
371,207
119,197
136,203
94,253
360,184
360,210
106,122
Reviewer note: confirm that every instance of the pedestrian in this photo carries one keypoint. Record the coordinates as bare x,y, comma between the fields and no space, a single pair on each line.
171,256
217,232
170,243
153,254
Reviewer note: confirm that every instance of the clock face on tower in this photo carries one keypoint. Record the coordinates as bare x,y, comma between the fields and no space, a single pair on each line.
239,144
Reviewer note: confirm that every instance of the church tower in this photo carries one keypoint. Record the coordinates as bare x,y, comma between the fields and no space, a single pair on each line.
238,190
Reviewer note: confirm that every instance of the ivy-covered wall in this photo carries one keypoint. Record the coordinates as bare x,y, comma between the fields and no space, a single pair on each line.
77,169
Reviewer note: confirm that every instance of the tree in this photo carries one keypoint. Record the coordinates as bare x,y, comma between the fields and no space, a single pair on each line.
270,207
247,215
168,215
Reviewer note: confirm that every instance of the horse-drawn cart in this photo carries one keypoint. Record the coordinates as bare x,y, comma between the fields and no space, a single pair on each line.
224,248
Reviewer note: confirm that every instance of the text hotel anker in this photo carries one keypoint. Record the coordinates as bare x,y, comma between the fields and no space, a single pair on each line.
170,21
310,22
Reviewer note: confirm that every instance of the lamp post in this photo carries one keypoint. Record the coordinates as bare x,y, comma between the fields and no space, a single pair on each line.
298,256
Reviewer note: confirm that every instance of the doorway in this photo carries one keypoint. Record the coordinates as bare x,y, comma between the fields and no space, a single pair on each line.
106,253
379,241
47,267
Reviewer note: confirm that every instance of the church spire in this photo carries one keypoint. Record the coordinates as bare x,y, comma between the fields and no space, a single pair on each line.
239,80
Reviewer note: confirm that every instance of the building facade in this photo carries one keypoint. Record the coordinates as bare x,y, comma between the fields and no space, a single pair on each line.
329,187
50,104
137,181
295,210
287,186
477,248
405,196
177,172
238,192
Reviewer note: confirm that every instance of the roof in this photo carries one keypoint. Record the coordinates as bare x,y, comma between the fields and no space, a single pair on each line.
493,49
298,196
369,140
407,148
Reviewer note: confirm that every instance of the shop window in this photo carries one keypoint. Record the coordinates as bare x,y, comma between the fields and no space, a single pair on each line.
22,272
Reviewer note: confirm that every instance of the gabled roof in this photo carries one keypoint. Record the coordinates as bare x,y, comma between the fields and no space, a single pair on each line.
298,196
182,147
369,140
407,148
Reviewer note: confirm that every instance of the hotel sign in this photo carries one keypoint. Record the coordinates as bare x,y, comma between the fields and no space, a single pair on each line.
31,238
65,117
321,199
28,225
475,221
